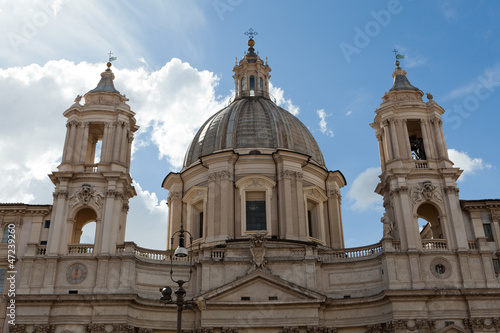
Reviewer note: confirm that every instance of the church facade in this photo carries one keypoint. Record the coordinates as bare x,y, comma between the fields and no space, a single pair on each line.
264,213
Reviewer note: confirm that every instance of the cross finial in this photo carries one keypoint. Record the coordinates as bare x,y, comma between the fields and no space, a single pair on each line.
251,33
110,57
395,53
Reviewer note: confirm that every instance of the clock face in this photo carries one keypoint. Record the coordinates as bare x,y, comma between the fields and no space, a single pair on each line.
76,273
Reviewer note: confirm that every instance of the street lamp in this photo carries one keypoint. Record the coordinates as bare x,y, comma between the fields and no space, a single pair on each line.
180,292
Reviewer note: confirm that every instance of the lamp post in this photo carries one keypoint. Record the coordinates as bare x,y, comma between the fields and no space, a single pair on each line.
180,292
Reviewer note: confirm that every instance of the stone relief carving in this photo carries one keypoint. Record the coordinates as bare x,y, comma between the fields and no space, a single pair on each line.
86,195
144,330
481,323
229,330
43,328
258,250
95,328
17,328
321,329
122,328
219,175
290,330
199,330
402,324
173,196
426,191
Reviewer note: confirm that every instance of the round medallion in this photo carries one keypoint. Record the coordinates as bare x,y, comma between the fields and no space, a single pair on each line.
76,273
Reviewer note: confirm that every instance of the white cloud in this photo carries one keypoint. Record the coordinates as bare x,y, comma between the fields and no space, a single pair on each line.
348,113
147,216
481,87
323,124
287,104
362,194
469,165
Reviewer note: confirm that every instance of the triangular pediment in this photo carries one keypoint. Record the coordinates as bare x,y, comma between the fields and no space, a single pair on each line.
260,286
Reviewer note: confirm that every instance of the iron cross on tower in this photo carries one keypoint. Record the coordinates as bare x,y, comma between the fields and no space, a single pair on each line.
250,33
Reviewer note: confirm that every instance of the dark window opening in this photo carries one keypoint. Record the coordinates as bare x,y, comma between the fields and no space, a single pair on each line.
201,225
309,223
449,323
440,269
273,298
252,82
488,232
496,266
47,223
417,148
43,242
256,215
261,84
73,292
245,298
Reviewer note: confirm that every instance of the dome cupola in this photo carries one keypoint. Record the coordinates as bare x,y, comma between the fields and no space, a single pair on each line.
253,123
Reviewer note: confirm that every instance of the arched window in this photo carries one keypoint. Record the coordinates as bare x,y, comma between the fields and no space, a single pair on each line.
252,83
261,85
429,222
84,226
243,85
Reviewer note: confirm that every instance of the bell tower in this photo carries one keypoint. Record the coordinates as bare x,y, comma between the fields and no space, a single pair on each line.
418,180
93,183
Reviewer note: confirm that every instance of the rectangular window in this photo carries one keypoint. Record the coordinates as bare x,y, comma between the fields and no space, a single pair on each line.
488,232
256,215
47,223
5,235
201,225
43,242
310,223
2,278
496,266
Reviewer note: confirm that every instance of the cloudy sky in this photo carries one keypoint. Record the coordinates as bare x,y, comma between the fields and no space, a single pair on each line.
331,63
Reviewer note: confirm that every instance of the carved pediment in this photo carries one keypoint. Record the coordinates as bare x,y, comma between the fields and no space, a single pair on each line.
260,286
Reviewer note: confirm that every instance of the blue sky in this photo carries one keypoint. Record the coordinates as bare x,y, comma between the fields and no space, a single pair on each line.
331,61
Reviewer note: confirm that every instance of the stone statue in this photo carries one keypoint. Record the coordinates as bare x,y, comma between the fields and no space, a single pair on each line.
388,226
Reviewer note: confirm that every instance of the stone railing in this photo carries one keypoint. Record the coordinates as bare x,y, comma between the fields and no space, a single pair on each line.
421,164
218,254
434,244
41,250
363,252
150,254
81,249
90,167
472,245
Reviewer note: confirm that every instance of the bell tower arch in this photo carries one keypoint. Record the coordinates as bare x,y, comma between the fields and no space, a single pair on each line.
93,183
418,180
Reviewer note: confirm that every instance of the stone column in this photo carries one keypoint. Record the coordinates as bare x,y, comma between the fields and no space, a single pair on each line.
388,145
66,143
429,152
85,141
394,139
406,138
117,142
301,207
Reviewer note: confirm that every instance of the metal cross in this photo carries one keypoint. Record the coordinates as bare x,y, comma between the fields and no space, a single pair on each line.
250,33
110,59
395,53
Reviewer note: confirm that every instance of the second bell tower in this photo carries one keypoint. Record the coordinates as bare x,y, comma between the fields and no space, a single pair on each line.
418,180
93,183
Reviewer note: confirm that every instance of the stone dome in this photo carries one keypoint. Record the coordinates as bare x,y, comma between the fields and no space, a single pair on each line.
253,122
